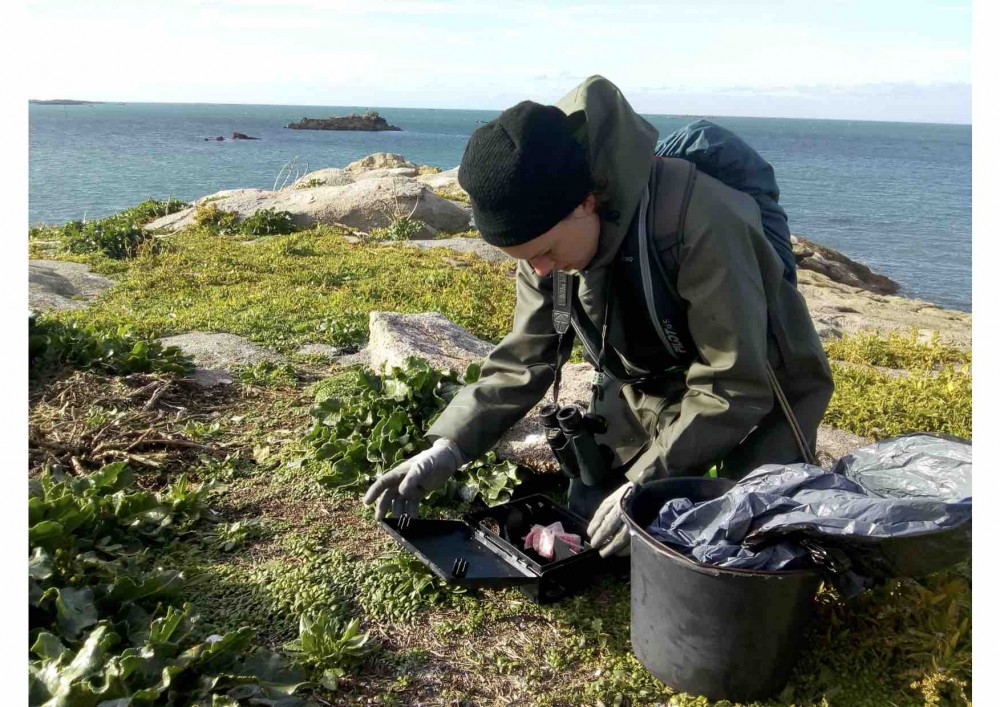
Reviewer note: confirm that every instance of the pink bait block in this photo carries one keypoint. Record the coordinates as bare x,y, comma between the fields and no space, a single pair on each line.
542,538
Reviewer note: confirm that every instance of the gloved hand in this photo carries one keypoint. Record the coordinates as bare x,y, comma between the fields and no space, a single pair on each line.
608,527
400,489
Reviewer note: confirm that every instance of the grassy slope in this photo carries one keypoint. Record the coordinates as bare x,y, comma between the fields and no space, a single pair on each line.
906,643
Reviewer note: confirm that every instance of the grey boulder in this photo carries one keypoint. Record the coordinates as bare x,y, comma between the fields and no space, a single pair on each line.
59,284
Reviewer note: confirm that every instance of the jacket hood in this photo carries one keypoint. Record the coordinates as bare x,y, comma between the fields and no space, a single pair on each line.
619,146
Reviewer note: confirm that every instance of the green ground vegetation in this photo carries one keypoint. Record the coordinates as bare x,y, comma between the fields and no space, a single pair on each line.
889,385
288,290
208,551
118,236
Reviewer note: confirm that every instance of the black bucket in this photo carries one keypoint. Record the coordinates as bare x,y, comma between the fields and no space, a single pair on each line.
722,633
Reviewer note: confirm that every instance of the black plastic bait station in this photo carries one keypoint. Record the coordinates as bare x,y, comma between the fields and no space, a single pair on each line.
486,549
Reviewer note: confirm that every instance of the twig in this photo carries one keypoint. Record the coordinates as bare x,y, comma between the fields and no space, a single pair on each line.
137,458
139,391
171,443
151,403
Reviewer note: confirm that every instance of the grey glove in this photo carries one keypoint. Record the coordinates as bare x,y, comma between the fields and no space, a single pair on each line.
608,528
400,489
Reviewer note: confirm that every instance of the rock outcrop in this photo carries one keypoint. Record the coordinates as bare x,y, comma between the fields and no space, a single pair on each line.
838,309
329,177
447,180
379,160
369,121
840,268
392,337
59,284
366,204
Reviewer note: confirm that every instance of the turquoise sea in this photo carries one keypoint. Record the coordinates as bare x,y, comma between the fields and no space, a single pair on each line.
896,196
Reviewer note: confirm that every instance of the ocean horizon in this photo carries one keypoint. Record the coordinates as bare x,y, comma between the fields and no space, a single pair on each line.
893,195
80,101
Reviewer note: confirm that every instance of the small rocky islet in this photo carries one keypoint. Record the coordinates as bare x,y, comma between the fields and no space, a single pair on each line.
370,121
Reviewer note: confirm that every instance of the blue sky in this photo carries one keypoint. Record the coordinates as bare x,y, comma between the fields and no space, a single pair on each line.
877,60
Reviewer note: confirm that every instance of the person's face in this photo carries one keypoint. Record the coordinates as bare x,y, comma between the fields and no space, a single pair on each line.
568,246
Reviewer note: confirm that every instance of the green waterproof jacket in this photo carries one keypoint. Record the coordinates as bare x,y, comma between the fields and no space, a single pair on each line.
741,312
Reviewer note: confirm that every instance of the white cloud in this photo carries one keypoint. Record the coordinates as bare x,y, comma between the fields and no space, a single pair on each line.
472,54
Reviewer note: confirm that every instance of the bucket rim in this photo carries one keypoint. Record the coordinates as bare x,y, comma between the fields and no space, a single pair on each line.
675,556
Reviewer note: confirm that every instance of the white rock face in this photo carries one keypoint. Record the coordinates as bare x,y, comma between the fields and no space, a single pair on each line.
57,284
392,337
329,177
364,205
399,172
442,180
379,160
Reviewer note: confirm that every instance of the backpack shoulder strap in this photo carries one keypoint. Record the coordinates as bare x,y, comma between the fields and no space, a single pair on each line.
671,186
661,233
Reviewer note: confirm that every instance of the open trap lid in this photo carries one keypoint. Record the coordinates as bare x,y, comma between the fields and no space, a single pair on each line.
456,553
486,548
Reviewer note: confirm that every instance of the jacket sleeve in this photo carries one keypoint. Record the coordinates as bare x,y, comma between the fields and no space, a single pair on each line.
728,392
515,375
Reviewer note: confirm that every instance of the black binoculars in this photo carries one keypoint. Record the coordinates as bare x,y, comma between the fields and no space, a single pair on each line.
570,434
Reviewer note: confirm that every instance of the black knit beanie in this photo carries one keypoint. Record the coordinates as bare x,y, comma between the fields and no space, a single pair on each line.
524,173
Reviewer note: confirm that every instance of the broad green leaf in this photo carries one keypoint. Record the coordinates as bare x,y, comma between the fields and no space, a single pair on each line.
40,564
75,610
396,389
91,656
162,629
48,647
274,673
164,583
473,372
45,534
112,476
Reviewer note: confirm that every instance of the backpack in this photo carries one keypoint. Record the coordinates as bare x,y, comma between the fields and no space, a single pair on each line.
652,271
722,154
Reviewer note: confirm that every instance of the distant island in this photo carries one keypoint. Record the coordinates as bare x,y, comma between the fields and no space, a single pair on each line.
63,102
369,121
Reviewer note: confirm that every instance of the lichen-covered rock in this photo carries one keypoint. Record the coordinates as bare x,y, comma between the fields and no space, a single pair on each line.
367,204
329,177
379,160
442,180
393,336
382,172
839,308
58,284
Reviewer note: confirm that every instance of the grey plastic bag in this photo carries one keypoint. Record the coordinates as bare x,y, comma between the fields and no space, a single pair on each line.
798,515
